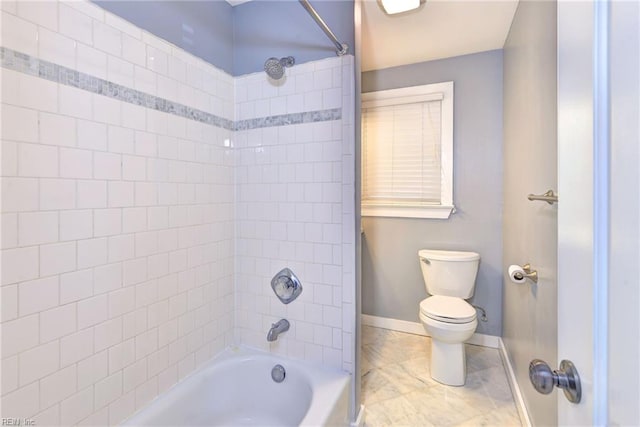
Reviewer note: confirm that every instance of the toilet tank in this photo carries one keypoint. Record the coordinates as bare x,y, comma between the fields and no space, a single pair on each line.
449,273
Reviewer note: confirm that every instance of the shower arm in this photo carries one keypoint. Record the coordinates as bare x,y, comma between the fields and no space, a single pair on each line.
342,48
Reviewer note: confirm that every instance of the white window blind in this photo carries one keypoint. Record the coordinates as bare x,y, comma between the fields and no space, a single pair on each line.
402,153
407,152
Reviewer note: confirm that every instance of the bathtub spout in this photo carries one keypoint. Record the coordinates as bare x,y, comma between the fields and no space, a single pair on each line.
277,328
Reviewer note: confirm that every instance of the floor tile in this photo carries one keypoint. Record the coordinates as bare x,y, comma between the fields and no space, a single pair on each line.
397,388
398,411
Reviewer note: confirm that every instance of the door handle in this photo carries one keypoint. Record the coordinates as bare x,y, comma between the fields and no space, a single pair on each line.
566,378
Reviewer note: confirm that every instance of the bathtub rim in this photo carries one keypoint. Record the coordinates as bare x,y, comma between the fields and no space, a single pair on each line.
328,385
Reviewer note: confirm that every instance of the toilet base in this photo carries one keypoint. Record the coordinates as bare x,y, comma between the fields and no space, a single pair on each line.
448,363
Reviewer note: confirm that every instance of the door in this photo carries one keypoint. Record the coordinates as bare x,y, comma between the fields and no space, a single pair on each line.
624,240
598,212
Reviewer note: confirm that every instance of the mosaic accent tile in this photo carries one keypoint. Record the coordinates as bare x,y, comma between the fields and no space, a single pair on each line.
27,64
290,119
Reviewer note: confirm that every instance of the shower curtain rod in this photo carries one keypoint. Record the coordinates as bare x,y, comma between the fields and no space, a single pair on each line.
342,48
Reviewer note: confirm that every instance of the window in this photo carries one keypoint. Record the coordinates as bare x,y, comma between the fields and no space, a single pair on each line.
407,152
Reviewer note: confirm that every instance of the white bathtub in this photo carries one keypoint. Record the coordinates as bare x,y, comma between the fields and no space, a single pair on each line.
236,389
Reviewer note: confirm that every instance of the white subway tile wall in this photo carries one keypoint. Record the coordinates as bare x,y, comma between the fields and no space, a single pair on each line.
137,244
117,221
295,208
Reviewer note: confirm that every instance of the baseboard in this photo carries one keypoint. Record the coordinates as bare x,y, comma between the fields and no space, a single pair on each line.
416,328
359,422
515,388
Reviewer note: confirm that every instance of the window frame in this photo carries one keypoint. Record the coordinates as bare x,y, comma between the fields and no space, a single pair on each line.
406,95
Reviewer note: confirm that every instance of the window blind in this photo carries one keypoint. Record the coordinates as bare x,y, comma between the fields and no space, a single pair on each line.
402,153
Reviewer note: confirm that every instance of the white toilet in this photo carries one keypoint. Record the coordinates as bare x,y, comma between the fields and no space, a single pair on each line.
450,278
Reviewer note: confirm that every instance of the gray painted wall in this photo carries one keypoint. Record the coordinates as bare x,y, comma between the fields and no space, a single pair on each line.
264,28
239,39
392,284
203,28
530,229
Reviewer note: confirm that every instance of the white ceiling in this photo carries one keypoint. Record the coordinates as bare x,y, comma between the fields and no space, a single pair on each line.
438,29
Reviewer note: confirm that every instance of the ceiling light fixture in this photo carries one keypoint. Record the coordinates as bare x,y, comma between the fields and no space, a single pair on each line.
392,7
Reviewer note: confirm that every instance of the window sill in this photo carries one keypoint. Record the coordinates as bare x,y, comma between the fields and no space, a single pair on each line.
397,211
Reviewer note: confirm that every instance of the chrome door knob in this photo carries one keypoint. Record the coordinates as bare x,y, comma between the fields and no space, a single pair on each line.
541,376
566,378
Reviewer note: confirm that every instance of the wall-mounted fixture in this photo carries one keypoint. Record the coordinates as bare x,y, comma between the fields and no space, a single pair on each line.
519,274
274,67
286,286
278,373
391,7
277,328
549,197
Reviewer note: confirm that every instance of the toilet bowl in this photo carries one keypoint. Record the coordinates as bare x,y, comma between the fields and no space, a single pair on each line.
450,320
448,361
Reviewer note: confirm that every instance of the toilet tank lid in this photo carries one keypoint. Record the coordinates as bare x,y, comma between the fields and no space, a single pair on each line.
439,255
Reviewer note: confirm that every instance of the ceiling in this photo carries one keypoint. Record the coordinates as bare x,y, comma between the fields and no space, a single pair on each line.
438,29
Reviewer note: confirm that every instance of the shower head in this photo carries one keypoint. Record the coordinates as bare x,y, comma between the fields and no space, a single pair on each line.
274,67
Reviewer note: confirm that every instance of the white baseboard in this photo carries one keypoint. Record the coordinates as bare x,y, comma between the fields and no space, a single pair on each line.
416,328
359,422
515,388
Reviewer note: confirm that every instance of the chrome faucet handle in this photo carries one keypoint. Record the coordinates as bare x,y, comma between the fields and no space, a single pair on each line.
286,285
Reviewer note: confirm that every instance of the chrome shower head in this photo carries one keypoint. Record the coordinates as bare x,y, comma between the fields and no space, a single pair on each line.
274,67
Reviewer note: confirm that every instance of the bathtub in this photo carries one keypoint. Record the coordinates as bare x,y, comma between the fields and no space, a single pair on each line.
236,389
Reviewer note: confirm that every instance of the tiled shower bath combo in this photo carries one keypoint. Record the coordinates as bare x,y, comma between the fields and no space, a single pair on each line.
147,200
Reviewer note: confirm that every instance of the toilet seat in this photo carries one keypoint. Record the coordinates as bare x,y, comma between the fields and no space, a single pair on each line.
448,309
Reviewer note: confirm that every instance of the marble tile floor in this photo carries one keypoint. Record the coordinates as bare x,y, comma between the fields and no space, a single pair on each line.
397,388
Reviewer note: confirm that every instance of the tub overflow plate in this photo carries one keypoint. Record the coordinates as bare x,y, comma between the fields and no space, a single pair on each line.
278,373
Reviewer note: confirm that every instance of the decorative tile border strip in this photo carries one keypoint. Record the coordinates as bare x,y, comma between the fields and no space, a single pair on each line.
290,119
27,64
23,63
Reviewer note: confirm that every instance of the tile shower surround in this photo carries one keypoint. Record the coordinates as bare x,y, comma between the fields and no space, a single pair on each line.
23,63
295,208
123,159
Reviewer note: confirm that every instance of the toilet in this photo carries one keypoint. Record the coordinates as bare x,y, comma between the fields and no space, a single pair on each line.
450,279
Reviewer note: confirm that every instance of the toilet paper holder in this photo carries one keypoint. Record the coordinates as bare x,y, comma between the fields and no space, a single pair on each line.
529,273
